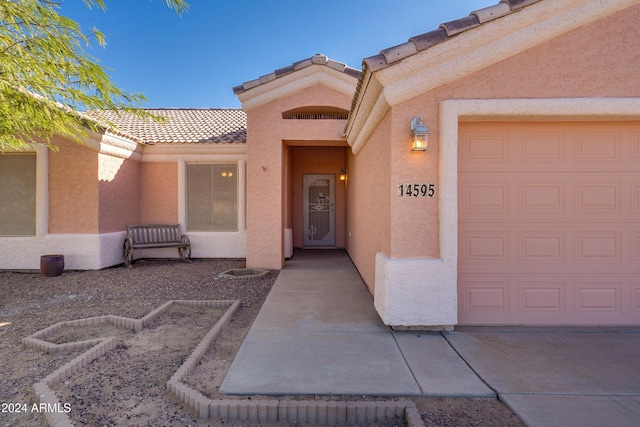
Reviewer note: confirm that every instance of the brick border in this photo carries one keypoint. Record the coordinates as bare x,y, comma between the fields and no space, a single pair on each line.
98,347
291,411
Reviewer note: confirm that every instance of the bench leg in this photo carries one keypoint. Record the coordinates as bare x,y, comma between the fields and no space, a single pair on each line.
185,254
127,251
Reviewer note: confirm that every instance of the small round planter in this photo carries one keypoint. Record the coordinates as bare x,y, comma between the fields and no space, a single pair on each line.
51,265
244,273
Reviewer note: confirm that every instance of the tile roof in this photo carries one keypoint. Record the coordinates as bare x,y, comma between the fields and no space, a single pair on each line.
317,59
445,31
183,125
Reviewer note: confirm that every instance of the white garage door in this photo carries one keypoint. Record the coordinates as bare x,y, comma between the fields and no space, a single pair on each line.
549,224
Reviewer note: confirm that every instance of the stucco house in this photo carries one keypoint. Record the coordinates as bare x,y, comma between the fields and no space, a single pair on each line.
524,209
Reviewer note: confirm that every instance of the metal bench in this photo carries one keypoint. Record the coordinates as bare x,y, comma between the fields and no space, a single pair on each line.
155,236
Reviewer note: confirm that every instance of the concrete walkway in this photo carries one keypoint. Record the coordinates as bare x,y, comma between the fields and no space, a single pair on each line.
318,333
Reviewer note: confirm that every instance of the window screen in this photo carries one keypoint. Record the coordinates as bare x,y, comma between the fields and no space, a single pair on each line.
18,195
212,197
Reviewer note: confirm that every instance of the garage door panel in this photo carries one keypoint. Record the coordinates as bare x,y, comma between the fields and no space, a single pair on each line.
485,197
549,223
556,248
598,248
635,198
563,197
486,247
535,147
600,297
546,298
543,300
485,295
634,300
549,147
598,147
541,196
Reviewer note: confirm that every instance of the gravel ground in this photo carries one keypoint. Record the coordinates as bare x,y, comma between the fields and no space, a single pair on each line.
126,385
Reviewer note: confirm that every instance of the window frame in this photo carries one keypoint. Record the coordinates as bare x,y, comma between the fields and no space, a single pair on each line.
35,188
236,183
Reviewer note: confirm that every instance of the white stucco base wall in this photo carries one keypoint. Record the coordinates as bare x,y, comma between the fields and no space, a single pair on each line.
218,244
81,251
204,245
417,293
97,251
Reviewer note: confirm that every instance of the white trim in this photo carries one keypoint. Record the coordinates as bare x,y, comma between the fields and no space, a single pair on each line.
182,194
42,190
295,82
112,145
168,153
242,195
423,291
373,119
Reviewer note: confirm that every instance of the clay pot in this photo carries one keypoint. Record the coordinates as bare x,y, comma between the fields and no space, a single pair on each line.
52,265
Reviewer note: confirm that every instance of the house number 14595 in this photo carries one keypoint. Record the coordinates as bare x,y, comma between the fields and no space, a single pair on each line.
417,190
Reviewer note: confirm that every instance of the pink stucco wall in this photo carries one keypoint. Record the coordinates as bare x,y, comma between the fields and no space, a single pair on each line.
118,192
368,201
159,195
90,193
598,60
318,160
73,189
267,160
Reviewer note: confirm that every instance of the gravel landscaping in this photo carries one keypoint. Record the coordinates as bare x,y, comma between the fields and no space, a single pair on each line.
127,385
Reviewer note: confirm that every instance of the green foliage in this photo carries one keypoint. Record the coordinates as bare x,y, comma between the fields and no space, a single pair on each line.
47,77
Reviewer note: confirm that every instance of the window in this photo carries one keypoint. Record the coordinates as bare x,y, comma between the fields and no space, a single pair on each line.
18,195
212,197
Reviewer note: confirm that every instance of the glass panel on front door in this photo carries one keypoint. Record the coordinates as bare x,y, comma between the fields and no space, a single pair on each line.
319,210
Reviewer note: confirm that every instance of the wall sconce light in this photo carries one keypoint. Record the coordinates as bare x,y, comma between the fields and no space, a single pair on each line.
226,174
420,135
343,174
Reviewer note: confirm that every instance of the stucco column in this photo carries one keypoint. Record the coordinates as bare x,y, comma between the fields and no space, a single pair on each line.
264,203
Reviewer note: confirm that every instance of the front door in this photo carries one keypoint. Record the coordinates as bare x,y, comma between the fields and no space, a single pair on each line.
318,210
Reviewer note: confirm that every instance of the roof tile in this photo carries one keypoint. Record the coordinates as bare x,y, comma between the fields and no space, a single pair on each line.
446,31
492,12
183,125
284,70
267,78
317,59
517,4
375,62
459,25
396,53
426,40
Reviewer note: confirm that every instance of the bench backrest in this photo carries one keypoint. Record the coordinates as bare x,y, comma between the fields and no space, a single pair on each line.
153,233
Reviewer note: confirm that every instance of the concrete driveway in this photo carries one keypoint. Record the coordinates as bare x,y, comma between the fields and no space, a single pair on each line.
558,376
318,333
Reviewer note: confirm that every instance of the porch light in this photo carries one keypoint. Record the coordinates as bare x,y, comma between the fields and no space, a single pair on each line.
343,174
420,135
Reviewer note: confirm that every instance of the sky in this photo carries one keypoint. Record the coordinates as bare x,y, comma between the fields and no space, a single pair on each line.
195,60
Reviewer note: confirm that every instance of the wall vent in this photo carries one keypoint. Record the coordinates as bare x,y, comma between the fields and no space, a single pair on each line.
316,113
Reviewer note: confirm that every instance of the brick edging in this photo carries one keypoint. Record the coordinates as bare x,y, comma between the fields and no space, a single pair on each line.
98,347
291,411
